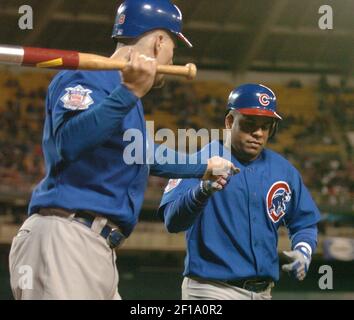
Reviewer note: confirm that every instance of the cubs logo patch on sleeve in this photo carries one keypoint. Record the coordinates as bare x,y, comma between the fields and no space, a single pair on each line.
172,183
77,98
279,194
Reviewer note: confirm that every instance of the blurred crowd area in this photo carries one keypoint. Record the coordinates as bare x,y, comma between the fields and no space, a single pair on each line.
22,101
316,134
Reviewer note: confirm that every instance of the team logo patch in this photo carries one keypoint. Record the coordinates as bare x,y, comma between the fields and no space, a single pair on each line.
77,98
279,194
172,183
264,99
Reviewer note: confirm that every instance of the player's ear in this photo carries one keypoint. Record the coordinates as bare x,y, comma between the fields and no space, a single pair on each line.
273,129
159,39
229,120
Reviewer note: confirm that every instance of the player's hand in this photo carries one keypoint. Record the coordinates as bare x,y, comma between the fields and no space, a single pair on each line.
139,73
300,260
209,187
218,167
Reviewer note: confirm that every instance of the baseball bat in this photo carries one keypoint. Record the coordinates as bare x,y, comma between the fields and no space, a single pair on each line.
65,59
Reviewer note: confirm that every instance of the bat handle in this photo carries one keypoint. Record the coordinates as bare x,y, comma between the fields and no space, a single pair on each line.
93,62
189,70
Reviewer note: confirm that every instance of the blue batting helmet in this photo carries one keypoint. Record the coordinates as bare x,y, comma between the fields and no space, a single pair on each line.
135,17
254,99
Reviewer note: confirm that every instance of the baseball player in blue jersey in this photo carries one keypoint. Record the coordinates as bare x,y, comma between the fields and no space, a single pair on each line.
90,198
231,235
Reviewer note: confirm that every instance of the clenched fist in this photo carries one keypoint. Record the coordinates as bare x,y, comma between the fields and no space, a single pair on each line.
139,73
219,167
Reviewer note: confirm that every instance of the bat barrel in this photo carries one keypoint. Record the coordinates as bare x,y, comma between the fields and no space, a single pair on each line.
50,58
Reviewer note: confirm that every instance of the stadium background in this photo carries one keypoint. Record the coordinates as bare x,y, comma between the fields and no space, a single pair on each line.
274,42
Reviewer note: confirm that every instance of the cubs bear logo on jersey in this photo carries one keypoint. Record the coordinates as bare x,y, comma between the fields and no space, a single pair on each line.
279,194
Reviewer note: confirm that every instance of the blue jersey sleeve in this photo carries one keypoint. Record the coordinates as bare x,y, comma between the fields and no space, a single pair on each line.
303,214
83,114
181,203
305,237
177,166
175,188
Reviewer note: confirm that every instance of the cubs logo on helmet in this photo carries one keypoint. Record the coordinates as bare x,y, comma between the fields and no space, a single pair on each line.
279,194
121,19
264,99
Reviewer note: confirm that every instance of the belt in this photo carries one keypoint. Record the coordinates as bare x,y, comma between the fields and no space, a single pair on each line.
255,285
110,231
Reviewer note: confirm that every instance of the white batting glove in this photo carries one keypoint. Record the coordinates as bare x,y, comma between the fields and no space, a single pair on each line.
300,260
209,187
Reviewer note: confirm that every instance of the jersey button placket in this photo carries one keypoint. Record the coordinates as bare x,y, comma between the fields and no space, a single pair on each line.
253,194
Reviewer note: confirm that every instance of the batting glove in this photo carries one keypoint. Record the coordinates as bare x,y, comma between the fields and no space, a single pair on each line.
300,259
208,187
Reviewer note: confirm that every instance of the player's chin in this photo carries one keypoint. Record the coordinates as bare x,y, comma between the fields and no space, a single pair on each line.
253,147
253,151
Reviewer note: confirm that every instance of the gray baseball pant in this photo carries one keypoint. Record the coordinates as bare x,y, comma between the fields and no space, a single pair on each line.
58,258
193,289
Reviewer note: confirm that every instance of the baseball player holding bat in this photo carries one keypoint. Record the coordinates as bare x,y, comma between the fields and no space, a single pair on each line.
231,235
90,198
